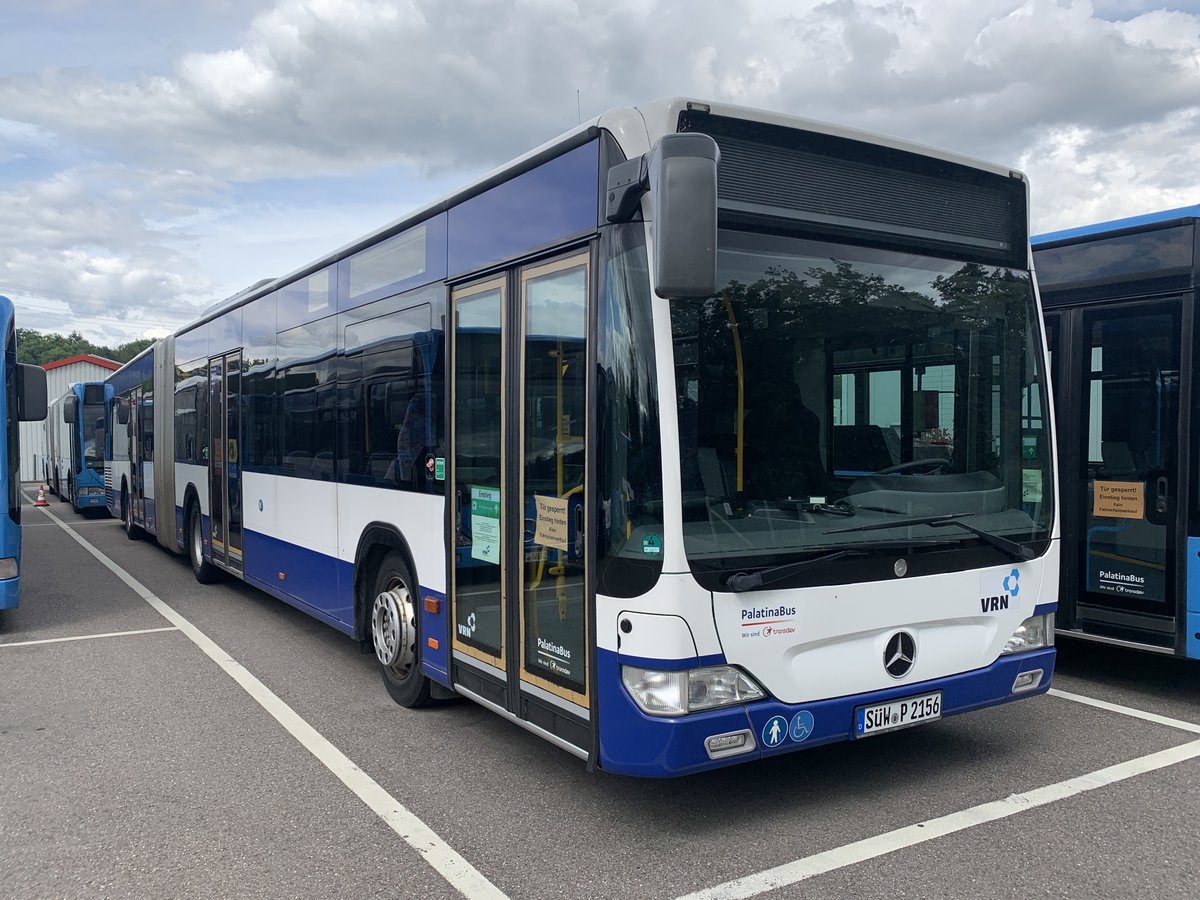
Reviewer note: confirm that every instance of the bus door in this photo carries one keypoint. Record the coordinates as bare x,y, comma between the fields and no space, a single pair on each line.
224,459
76,463
1120,462
138,455
518,587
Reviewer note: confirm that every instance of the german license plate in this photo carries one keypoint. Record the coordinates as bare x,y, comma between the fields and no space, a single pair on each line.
881,717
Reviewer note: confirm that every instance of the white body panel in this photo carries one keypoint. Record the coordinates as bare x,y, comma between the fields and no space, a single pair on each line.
420,518
656,636
119,469
330,518
675,595
148,480
300,511
832,644
196,476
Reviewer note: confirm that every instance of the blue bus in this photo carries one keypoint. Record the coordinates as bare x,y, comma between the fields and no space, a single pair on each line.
1120,306
697,435
22,399
77,432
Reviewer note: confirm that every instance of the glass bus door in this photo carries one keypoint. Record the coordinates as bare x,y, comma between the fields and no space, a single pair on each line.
479,569
139,454
224,469
518,483
1127,479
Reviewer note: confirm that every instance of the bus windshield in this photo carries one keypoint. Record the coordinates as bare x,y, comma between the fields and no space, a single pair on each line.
92,435
827,390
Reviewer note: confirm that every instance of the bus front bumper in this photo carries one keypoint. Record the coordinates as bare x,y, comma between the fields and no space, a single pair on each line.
633,743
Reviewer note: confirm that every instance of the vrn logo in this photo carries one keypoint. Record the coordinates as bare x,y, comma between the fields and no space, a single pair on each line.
467,630
1011,587
1011,582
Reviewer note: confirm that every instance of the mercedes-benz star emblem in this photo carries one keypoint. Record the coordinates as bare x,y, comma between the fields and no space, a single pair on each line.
899,654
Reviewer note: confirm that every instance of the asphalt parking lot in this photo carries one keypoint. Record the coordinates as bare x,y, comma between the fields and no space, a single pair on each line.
163,738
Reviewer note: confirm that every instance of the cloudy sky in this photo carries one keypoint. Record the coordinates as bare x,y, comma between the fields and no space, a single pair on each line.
159,155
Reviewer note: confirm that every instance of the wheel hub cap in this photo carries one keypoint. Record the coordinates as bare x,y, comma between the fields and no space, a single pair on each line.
392,628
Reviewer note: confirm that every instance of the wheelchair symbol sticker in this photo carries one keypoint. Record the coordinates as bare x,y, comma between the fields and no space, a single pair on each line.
802,726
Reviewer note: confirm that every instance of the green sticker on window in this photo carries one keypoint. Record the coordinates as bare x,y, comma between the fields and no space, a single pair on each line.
652,545
439,468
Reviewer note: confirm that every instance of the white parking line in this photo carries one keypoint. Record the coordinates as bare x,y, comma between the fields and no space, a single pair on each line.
911,835
441,856
107,523
86,637
1126,711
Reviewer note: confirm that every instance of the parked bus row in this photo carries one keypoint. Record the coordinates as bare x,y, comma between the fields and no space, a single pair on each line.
693,436
75,437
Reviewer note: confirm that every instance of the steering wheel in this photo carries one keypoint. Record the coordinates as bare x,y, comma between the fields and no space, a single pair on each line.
931,466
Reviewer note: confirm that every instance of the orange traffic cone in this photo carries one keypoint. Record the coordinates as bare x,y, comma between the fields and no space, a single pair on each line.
41,500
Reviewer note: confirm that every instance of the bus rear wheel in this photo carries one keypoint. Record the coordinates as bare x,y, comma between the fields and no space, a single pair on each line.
395,633
205,572
133,531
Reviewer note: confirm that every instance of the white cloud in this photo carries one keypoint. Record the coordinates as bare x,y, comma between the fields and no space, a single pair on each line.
1099,102
332,86
82,240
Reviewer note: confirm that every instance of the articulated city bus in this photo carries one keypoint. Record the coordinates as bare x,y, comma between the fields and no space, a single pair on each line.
76,432
1122,328
22,399
694,436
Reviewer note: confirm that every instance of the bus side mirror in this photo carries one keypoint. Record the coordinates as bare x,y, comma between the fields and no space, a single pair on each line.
681,175
31,393
70,410
122,411
683,200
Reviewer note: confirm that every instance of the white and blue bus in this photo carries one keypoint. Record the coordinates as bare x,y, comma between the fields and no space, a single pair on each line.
694,436
1122,329
22,399
76,432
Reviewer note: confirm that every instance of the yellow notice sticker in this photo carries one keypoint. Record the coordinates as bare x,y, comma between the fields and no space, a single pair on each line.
551,530
1119,499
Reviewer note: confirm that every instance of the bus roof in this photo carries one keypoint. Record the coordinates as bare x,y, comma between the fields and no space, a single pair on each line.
1154,218
646,119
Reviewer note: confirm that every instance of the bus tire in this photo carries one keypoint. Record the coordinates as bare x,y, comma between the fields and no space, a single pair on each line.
205,572
132,530
395,632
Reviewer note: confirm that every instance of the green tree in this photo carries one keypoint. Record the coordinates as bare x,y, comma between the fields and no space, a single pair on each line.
38,349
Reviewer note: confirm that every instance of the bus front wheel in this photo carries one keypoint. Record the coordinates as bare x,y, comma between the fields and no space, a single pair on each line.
205,572
395,635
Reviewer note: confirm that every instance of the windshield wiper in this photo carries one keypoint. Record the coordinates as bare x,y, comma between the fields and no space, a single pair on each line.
1012,548
748,581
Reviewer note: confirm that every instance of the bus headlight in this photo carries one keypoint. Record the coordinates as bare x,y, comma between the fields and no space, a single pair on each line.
662,693
1034,633
8,567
